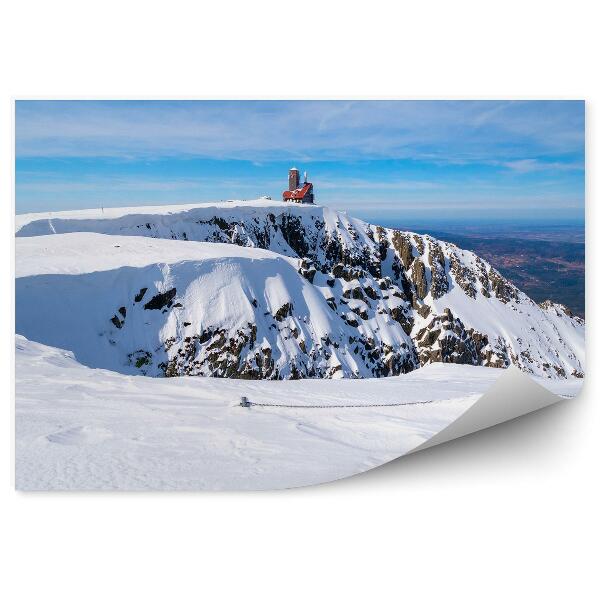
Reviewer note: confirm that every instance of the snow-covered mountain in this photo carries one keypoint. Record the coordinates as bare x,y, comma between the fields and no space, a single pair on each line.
266,290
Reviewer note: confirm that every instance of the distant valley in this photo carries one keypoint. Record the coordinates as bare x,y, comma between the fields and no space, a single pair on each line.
546,263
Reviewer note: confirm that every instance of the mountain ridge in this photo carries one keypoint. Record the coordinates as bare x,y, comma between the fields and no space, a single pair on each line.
388,301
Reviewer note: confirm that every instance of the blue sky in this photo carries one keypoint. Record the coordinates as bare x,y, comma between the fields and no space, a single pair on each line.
416,161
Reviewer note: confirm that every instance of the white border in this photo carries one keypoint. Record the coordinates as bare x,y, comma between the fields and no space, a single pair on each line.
510,512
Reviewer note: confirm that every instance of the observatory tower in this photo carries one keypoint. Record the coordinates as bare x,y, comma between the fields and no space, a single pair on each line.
297,192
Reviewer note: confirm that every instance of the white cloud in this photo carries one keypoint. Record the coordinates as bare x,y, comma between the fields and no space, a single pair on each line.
530,165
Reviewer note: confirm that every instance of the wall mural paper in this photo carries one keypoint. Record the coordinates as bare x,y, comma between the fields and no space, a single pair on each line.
296,291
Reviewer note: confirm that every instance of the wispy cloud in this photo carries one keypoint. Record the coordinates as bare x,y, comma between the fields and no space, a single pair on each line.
304,130
53,187
531,165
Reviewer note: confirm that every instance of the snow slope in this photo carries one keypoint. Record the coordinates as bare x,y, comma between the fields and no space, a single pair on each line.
68,303
82,428
120,211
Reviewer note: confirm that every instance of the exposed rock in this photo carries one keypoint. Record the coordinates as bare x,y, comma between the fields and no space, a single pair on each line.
161,300
351,321
437,264
464,276
332,303
116,322
503,290
445,339
140,358
371,293
140,295
307,270
399,315
383,242
404,248
419,279
418,239
284,311
361,312
423,310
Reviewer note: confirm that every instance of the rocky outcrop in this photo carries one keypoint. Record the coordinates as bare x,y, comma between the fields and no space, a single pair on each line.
446,339
161,300
140,295
464,277
437,266
283,312
419,279
403,247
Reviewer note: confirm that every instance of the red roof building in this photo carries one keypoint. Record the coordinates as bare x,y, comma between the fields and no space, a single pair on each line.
301,194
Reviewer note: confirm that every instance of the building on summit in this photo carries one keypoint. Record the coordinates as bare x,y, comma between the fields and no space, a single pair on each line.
301,194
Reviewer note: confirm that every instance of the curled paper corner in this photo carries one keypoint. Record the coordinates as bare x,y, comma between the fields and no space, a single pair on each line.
514,394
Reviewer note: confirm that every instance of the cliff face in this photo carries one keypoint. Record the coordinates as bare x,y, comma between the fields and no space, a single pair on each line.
333,296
